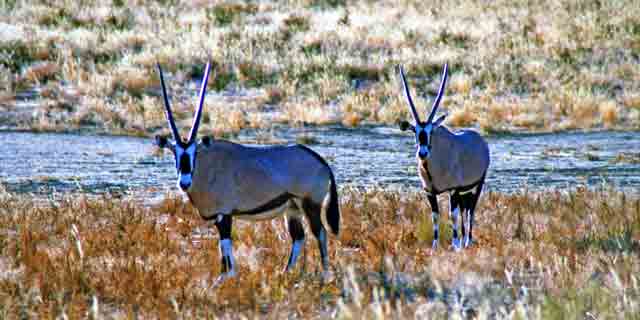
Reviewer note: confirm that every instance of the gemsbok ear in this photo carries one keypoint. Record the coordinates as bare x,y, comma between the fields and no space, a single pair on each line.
206,141
405,125
161,141
439,120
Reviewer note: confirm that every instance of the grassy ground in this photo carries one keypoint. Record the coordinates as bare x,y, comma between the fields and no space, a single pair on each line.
516,65
550,255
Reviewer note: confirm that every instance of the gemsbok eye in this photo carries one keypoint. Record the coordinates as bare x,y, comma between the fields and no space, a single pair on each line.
448,162
224,180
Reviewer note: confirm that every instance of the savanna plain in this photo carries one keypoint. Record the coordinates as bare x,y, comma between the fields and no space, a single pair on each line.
516,67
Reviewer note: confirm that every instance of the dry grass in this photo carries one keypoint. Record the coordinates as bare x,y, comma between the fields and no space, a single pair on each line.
551,255
547,66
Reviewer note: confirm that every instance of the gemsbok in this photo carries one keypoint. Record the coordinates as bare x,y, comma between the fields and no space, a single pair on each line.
224,180
454,162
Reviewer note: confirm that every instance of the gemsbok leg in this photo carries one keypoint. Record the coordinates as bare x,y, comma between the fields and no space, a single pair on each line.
224,225
471,208
455,206
435,217
313,212
296,231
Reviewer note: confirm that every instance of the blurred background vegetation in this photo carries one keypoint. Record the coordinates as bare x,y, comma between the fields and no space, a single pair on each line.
515,65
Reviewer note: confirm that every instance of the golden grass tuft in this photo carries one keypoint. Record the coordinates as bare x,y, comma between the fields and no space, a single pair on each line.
632,101
608,112
584,109
133,80
40,71
351,119
311,111
461,84
462,117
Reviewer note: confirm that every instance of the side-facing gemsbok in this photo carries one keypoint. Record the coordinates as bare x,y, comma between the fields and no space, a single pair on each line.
454,162
224,180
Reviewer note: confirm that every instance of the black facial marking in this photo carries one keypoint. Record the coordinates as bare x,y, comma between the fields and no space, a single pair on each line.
185,163
422,137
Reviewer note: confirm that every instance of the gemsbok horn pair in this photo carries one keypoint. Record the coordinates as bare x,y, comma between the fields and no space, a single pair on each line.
454,162
224,180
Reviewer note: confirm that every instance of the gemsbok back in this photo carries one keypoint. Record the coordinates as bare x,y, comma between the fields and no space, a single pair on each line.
454,162
224,180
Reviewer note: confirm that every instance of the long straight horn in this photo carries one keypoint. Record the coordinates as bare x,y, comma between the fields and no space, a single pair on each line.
167,107
436,103
407,95
196,118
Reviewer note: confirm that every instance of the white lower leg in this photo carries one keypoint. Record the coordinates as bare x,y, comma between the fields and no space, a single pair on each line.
454,219
467,239
226,252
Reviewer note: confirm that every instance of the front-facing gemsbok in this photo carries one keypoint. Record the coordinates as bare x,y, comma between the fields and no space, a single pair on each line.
224,180
454,162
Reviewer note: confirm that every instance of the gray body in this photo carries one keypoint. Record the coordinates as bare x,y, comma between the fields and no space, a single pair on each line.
225,180
454,162
234,179
458,159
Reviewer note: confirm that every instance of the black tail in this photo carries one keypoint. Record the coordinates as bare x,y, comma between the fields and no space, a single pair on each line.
333,210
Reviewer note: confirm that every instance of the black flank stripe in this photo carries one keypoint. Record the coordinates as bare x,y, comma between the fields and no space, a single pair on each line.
457,189
275,203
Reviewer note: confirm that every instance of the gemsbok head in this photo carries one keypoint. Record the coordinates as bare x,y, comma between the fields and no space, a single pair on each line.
454,162
224,180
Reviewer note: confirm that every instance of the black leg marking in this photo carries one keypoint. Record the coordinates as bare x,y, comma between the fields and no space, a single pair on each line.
313,212
455,201
296,231
467,199
456,208
465,204
435,217
472,209
224,229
